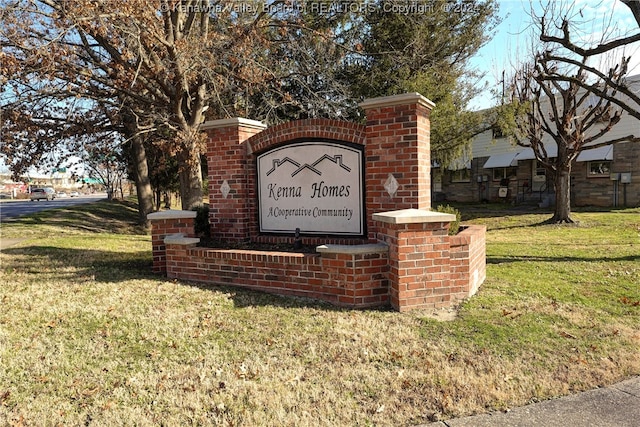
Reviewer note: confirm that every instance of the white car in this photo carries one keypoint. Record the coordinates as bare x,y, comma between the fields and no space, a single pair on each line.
42,193
74,194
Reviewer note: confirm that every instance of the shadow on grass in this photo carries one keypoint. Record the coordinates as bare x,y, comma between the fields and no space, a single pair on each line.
104,266
514,259
105,216
115,267
470,211
247,298
473,211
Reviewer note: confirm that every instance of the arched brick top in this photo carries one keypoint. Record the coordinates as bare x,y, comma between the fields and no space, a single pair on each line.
309,128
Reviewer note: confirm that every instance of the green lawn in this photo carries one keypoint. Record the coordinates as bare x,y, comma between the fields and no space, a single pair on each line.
89,336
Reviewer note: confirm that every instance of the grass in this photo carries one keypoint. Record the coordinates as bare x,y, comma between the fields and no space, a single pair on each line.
89,336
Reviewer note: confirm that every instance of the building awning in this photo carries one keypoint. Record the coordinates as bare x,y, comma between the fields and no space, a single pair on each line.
600,153
503,160
527,153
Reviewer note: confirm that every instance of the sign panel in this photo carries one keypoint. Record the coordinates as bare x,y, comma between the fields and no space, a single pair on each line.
315,186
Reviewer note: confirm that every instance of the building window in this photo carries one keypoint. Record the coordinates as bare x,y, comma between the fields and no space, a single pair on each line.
539,172
436,180
502,173
461,175
600,168
497,132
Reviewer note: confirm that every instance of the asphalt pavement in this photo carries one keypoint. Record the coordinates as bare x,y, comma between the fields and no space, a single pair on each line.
12,209
614,406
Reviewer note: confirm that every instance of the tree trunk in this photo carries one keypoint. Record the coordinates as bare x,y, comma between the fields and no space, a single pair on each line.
190,178
562,185
141,177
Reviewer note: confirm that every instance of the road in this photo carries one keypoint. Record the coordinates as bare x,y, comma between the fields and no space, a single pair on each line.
14,209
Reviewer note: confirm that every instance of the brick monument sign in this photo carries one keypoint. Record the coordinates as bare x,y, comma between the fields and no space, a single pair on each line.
359,193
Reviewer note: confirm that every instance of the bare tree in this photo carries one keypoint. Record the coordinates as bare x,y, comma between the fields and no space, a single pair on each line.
556,30
562,105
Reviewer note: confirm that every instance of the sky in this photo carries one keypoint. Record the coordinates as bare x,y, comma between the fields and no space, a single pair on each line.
515,36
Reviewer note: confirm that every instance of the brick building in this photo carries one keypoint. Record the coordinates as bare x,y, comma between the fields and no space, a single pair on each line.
495,169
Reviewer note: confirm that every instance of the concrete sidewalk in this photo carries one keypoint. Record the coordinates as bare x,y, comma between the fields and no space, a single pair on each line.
5,243
614,406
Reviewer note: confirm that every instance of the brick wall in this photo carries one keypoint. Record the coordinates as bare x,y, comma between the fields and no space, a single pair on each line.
337,275
416,264
406,259
164,224
229,175
233,145
419,258
468,261
398,145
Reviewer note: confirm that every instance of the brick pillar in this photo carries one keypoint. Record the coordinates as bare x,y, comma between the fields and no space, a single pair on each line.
164,224
178,263
397,154
419,257
229,192
357,272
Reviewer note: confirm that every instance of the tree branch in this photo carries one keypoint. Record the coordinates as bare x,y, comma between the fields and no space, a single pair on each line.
565,41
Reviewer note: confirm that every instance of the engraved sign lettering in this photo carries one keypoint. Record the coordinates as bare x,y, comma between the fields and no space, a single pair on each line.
315,186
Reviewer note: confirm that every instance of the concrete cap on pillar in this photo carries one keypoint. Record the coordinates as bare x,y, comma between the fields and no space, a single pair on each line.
413,216
233,122
405,98
171,214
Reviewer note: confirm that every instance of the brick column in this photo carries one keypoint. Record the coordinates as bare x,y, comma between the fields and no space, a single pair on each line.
229,192
166,223
397,154
419,257
357,272
178,262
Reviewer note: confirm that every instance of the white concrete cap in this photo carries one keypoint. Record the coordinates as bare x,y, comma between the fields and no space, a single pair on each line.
369,248
405,98
179,239
172,214
235,121
413,216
